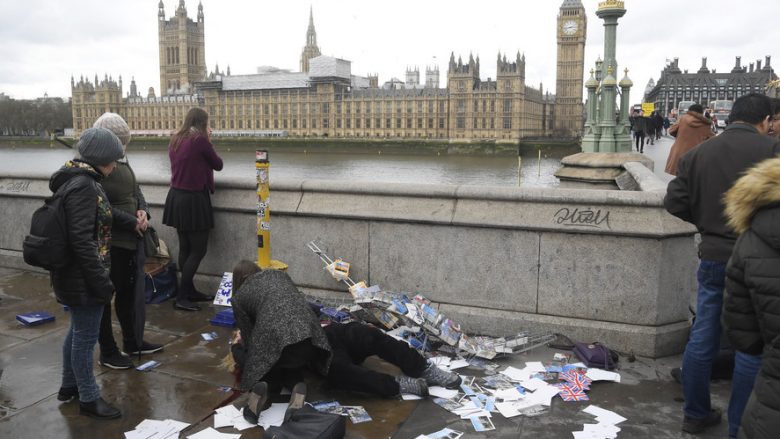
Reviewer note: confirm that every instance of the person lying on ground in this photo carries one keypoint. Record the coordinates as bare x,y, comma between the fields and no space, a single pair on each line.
280,336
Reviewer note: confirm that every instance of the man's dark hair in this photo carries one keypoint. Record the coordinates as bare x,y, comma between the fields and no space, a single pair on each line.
751,108
696,108
775,106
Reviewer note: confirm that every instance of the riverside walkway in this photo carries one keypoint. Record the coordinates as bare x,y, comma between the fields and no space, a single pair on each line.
187,385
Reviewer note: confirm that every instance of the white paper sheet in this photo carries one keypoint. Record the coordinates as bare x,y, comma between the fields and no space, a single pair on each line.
272,416
604,416
210,433
602,375
441,392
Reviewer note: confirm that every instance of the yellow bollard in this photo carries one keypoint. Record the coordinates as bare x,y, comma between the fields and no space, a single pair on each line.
264,260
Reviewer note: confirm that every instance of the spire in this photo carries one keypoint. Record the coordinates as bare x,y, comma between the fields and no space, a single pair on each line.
200,12
182,9
311,34
161,11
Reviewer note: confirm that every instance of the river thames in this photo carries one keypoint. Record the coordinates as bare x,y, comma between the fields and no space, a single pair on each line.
453,169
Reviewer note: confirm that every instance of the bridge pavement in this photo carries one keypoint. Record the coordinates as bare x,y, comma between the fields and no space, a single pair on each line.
186,386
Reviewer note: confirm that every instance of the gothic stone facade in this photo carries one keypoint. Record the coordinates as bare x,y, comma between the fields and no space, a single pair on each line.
326,100
707,85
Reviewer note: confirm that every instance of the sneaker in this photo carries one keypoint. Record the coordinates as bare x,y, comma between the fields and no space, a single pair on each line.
116,361
415,386
676,373
145,348
695,426
256,403
297,398
438,377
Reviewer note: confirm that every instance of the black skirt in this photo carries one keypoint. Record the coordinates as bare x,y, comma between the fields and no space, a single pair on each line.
188,211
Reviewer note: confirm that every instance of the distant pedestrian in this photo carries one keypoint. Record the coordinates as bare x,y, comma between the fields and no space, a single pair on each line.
639,127
666,124
131,219
188,204
774,122
691,129
84,284
658,123
703,176
752,298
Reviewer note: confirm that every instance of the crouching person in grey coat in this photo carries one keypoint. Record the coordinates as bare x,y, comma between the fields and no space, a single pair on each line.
751,308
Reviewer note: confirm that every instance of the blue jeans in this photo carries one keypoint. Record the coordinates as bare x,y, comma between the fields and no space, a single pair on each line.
703,345
78,349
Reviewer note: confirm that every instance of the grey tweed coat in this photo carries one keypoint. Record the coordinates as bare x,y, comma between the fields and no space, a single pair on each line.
271,314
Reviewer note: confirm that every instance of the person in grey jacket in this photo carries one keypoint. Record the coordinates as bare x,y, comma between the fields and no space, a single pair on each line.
751,309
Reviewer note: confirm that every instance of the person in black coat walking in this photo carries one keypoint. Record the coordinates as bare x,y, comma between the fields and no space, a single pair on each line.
84,284
751,309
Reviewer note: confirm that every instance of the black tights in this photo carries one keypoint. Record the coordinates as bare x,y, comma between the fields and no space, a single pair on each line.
192,249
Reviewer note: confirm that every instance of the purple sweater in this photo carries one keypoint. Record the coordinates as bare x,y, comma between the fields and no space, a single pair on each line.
193,164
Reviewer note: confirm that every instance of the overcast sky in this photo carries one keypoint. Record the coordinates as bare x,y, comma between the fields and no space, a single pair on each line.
44,42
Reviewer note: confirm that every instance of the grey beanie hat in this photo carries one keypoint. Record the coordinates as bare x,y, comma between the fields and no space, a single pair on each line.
116,124
99,146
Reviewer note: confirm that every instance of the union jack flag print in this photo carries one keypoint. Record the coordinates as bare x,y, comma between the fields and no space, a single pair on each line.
570,394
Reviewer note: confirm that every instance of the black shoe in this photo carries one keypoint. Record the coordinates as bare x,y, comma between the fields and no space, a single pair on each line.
197,296
99,409
256,403
695,426
676,373
146,348
297,399
116,361
68,393
185,305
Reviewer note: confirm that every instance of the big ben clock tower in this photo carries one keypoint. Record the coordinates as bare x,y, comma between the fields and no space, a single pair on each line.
572,30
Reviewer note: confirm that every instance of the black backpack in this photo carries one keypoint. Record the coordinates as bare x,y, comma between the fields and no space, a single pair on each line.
47,244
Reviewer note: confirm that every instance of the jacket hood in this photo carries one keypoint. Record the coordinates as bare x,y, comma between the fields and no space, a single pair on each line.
755,198
70,169
697,119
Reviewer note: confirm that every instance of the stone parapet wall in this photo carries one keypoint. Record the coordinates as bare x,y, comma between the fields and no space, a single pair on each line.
592,264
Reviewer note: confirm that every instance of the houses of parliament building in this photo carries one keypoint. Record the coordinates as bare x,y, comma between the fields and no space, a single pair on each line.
324,99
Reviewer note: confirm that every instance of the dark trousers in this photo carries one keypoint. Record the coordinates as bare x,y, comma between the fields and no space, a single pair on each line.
123,277
288,369
353,343
192,249
639,136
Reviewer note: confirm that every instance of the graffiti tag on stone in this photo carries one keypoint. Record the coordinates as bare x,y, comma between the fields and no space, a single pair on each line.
581,217
16,186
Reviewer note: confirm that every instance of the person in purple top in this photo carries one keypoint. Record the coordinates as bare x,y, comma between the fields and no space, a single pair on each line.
188,204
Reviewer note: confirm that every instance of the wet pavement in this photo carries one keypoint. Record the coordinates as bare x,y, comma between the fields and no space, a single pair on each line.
187,384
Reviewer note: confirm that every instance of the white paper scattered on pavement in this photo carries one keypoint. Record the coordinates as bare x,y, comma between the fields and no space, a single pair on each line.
604,416
534,366
508,394
515,374
602,375
273,416
410,397
210,433
457,364
153,429
441,392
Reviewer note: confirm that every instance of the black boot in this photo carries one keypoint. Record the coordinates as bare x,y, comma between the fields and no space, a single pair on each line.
68,393
99,409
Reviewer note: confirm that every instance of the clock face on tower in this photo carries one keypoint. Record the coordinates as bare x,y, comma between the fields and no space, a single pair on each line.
569,27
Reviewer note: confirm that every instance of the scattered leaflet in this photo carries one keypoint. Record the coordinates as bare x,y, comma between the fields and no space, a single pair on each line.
153,429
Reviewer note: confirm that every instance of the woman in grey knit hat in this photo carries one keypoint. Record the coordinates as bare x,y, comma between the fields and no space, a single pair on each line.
127,257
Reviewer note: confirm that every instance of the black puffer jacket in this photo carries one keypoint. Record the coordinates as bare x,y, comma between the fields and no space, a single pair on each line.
85,280
751,309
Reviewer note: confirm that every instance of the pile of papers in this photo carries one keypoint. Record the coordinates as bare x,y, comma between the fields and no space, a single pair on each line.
446,433
390,310
152,429
513,392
